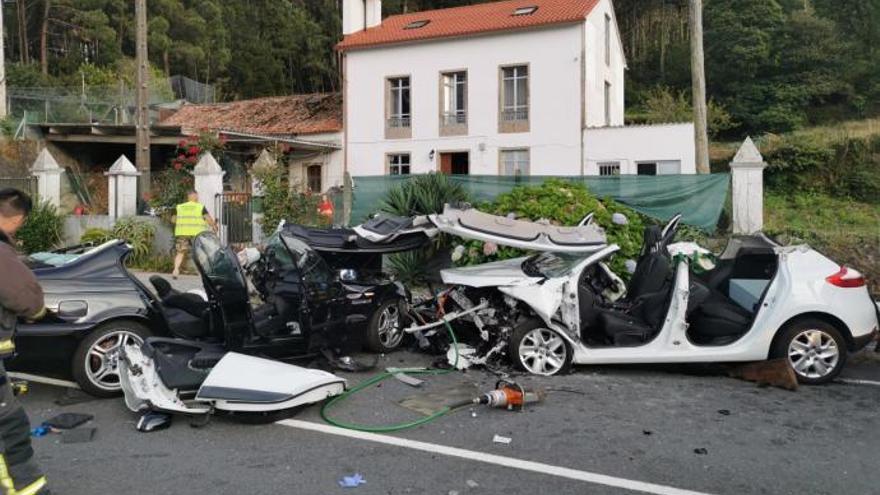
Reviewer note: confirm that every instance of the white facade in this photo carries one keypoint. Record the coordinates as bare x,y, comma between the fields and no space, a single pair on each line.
575,84
330,162
670,147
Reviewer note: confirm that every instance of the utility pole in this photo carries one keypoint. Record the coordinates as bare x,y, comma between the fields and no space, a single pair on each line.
698,75
142,124
3,110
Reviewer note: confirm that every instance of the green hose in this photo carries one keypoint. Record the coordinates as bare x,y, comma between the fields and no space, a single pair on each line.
384,376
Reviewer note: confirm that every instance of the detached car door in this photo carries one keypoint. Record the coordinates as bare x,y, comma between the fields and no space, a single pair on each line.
226,285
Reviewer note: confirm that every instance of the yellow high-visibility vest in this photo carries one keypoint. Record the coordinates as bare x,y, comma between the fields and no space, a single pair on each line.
190,221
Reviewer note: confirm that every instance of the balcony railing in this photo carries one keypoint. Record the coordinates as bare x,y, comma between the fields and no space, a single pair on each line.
453,119
515,115
400,122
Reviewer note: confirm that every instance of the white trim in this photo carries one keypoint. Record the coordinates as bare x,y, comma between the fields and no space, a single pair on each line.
498,460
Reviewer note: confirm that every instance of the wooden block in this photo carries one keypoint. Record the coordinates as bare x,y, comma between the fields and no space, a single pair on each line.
775,373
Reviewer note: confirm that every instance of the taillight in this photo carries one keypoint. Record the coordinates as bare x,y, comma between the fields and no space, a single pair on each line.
846,277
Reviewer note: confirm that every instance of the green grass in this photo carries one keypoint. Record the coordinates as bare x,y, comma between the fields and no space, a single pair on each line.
844,230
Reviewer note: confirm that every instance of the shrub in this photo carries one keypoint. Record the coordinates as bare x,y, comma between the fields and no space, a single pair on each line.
423,195
139,234
96,236
282,200
562,203
42,231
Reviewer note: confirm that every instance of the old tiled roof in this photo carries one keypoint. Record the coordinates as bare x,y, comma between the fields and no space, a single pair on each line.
280,115
470,20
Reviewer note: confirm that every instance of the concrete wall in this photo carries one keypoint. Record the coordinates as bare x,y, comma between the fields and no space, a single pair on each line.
331,162
631,145
75,226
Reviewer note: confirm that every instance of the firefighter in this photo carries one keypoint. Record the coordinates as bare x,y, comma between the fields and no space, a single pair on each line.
190,220
20,297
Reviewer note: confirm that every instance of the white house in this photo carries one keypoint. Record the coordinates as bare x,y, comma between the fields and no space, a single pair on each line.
510,87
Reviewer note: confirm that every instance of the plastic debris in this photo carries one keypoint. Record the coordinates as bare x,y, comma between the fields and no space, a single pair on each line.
503,440
630,266
458,253
352,481
619,219
40,431
472,483
724,412
407,379
701,451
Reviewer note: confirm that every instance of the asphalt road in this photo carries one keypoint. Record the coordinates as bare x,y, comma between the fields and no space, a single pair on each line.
646,424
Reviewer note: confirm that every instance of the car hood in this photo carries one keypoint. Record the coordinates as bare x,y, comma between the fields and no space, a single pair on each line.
496,274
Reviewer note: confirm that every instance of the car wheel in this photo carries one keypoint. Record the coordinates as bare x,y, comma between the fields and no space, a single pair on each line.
540,350
385,331
815,350
96,361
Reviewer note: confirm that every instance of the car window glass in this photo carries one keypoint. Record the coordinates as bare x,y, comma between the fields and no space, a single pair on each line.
216,262
314,270
551,265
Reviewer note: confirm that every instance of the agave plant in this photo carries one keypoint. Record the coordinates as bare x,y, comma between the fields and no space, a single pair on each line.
423,195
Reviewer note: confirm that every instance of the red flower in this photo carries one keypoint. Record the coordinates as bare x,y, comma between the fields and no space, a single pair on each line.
181,157
182,143
193,160
178,165
193,150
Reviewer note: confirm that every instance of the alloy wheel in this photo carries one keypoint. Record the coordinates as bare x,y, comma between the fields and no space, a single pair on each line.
390,333
813,354
543,352
102,361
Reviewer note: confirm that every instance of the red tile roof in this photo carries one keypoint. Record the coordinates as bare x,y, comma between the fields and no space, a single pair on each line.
279,115
470,20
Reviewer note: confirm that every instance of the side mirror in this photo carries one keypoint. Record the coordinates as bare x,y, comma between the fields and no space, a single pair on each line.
348,275
72,309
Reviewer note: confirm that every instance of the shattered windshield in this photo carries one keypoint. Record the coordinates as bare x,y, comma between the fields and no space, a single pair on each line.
550,265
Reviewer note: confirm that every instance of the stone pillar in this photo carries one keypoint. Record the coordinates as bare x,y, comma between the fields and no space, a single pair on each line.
264,161
122,188
209,182
48,175
747,171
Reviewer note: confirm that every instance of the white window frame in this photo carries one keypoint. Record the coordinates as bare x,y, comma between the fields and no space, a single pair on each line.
519,75
607,39
394,163
609,169
455,87
525,166
397,88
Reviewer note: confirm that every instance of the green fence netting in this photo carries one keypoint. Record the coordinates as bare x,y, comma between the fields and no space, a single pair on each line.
699,198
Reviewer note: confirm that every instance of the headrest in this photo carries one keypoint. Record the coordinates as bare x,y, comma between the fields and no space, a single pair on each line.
162,286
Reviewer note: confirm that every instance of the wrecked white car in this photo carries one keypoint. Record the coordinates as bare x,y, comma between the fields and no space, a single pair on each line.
564,305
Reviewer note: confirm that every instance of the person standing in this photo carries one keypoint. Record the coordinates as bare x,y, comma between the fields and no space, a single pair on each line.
20,297
325,209
190,219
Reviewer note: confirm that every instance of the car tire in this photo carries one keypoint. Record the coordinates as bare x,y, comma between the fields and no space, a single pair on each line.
815,350
540,350
383,334
94,370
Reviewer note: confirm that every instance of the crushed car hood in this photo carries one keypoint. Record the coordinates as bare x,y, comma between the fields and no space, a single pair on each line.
496,274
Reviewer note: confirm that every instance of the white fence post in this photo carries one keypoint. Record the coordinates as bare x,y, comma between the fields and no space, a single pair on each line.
747,171
264,161
48,175
122,188
209,184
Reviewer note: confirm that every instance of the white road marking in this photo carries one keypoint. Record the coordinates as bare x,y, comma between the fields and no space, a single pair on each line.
852,381
498,460
42,379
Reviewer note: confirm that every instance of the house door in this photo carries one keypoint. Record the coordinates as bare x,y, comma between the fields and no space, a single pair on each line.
458,163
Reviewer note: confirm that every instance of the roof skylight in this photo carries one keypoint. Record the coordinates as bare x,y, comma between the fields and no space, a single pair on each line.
525,10
417,24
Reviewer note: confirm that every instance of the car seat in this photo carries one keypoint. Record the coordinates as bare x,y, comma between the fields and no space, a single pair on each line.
182,364
718,320
638,317
185,312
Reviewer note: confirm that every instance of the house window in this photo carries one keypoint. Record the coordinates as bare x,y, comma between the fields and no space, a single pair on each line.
399,95
417,24
313,178
609,169
607,39
646,168
669,167
607,103
454,98
515,94
515,162
398,164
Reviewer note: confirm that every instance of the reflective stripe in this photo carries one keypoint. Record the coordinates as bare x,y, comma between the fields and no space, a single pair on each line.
8,485
190,220
7,346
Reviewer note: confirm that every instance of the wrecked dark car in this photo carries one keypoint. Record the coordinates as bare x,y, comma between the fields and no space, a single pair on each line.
302,304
